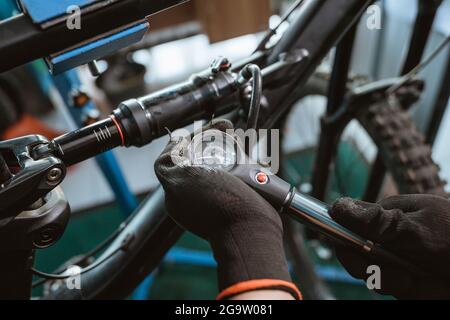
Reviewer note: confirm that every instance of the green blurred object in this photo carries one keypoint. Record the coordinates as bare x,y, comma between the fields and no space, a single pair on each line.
349,178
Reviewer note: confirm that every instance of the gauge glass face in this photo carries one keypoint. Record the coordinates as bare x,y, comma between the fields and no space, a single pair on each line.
213,149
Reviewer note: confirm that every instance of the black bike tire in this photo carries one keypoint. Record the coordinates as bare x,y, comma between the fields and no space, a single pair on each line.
406,156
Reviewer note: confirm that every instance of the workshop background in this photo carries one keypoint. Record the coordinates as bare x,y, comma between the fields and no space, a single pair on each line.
183,41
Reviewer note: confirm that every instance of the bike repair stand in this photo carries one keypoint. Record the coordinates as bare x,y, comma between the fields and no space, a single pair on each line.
33,212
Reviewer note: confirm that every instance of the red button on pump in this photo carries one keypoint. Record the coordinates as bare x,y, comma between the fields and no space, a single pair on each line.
262,178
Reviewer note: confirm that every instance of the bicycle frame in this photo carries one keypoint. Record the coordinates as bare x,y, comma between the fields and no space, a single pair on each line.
47,41
319,26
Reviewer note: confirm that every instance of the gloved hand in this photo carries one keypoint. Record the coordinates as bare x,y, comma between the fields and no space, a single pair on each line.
415,227
245,232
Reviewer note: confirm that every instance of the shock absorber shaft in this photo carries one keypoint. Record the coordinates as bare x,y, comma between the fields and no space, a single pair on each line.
84,143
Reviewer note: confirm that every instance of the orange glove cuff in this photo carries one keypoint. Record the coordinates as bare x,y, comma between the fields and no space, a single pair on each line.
260,284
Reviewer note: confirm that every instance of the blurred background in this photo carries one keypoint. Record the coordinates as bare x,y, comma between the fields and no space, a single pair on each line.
182,41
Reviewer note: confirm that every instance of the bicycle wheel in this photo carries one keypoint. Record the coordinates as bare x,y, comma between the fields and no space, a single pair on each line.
382,127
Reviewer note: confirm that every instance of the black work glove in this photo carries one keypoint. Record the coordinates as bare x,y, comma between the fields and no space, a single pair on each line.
245,232
416,228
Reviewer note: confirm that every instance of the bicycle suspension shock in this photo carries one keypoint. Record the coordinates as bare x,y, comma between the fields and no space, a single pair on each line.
137,122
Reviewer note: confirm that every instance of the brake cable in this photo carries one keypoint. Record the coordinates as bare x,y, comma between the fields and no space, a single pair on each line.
252,72
422,65
273,31
54,276
49,276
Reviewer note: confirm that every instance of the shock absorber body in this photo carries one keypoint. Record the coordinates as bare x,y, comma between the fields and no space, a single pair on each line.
203,96
84,143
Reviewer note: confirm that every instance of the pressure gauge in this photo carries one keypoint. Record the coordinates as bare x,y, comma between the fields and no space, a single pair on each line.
214,149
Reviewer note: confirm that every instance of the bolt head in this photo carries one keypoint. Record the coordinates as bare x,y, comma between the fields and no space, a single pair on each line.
54,175
45,237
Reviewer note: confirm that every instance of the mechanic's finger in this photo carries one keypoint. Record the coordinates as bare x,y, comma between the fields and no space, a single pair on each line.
366,219
413,202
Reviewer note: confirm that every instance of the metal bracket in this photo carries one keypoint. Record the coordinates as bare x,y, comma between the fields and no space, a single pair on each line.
98,48
363,97
282,71
30,179
49,13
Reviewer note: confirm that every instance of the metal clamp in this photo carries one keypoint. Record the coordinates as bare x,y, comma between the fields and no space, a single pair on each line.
30,179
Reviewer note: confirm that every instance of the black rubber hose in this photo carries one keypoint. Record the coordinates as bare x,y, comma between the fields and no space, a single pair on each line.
253,72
